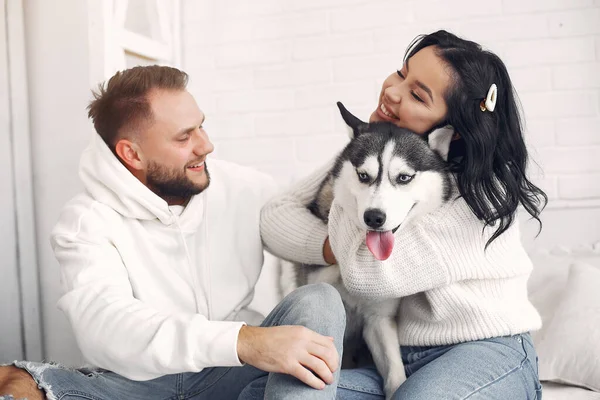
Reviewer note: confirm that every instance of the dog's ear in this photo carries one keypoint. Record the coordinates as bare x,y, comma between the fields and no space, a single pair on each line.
354,123
439,140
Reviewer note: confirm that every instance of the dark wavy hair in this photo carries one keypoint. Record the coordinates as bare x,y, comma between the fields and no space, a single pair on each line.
490,158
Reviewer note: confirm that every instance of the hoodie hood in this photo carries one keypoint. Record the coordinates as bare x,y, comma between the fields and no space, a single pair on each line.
109,182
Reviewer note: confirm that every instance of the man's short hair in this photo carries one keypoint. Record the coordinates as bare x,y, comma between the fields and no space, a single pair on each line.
122,104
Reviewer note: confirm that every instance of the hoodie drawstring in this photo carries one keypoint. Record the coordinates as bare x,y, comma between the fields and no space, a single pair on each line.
189,262
205,258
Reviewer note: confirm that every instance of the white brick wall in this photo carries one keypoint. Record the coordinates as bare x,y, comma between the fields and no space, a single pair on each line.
268,73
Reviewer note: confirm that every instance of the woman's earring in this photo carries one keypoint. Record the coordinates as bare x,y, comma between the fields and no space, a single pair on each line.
489,103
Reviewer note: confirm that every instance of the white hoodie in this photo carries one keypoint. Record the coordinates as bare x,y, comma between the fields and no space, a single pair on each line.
150,292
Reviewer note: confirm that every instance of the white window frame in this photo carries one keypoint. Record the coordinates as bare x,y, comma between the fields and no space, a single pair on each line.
110,40
18,114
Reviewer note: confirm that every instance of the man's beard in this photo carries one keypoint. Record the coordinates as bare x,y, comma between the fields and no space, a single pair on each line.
172,185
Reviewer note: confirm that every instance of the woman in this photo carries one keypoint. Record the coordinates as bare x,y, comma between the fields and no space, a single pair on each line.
461,271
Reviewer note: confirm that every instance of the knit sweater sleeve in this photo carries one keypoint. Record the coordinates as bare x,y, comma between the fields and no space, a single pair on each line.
288,229
443,247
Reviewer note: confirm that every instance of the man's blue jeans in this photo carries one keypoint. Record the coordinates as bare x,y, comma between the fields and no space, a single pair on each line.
317,307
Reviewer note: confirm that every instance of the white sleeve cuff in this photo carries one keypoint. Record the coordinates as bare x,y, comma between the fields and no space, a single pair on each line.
221,345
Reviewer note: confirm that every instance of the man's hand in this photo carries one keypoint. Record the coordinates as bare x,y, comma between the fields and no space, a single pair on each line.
328,253
292,350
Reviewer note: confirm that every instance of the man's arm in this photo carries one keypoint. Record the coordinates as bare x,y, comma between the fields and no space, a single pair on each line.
120,333
117,332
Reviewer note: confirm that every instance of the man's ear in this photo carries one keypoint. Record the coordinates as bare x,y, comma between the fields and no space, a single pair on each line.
130,154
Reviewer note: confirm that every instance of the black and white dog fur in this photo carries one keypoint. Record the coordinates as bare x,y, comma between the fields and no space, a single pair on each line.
384,178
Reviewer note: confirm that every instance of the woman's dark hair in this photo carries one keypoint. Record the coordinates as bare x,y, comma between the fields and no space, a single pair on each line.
490,158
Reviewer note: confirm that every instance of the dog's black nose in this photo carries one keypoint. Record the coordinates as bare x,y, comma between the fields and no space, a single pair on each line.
374,218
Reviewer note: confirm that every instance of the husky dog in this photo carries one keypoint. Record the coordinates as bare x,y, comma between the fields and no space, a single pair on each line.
384,178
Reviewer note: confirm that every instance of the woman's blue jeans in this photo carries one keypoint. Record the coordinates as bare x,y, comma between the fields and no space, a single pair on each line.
502,368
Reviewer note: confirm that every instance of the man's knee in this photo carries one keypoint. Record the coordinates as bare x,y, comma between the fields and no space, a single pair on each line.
320,298
18,383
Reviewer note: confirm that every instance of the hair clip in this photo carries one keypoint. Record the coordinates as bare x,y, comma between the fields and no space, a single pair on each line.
489,104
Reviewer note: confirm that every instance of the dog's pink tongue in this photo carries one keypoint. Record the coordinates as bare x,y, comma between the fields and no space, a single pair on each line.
380,244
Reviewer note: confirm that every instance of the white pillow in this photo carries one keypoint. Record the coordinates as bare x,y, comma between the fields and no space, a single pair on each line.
569,349
546,287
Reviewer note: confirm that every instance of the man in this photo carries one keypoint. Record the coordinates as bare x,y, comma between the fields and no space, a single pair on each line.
159,259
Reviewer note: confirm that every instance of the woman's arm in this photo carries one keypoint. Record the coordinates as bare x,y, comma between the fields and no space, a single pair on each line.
412,267
442,247
288,229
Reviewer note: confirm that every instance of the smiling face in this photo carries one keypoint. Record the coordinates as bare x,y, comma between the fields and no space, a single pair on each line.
176,146
170,152
413,97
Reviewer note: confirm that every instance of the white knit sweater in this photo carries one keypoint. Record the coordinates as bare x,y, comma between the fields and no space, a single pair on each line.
452,290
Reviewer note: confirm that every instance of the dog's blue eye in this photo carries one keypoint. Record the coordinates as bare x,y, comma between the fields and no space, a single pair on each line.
363,177
404,178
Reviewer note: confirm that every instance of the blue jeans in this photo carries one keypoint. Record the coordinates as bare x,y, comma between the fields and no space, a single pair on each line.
318,307
498,368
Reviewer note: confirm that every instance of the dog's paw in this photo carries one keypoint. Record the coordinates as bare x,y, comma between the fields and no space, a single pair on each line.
389,394
392,385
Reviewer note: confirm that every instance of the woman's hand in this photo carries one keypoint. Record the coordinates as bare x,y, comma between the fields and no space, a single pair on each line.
328,253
